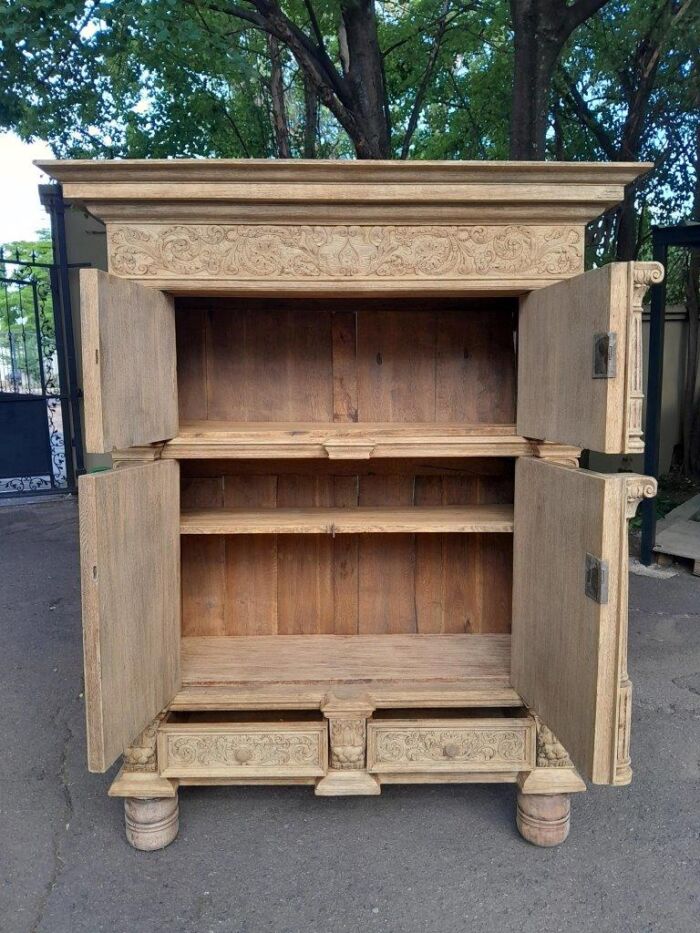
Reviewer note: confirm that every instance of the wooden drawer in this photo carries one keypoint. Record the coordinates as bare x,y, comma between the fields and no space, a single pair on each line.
249,749
396,746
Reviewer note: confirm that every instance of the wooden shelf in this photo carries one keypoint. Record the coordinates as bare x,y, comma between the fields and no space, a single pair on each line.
250,440
472,518
299,671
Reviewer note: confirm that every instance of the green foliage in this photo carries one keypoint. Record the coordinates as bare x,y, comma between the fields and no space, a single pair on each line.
164,78
19,352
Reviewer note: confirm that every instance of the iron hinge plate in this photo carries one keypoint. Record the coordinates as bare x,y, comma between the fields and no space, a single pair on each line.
597,573
605,355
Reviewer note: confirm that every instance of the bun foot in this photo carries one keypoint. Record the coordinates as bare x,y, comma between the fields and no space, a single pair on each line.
544,819
151,823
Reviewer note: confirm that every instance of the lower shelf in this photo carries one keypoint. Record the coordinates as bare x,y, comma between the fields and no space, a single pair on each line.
299,671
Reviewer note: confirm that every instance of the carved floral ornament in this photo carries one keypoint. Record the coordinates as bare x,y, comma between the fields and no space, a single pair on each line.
262,749
474,745
337,252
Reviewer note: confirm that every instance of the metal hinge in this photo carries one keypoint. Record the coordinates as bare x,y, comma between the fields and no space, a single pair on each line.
596,586
605,355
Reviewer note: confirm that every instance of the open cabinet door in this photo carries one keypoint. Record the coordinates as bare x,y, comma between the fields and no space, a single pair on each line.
129,363
580,359
130,570
569,640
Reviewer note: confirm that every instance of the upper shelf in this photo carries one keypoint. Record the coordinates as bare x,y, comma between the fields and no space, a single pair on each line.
269,440
360,520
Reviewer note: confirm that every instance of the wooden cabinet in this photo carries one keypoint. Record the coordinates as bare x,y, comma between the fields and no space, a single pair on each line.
346,541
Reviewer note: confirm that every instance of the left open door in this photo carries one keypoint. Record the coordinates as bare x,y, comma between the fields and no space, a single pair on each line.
129,363
130,570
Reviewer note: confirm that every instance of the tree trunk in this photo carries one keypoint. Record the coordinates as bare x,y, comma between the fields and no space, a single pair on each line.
279,110
310,120
540,30
537,49
362,61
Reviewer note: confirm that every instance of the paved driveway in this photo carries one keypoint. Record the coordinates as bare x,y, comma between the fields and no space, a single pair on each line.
423,859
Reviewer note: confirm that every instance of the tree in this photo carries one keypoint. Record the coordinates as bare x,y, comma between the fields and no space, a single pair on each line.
541,28
632,101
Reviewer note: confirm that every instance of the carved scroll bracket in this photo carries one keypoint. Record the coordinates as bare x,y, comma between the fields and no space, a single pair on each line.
142,755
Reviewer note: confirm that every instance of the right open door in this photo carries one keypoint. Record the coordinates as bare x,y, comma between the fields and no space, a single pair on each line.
569,639
580,359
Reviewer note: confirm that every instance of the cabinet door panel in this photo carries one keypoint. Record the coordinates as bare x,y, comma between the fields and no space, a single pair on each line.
130,569
569,640
129,363
580,359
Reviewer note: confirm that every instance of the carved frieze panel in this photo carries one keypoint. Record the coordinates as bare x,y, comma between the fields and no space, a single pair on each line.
358,253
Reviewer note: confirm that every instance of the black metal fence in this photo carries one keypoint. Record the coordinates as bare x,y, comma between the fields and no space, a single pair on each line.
39,416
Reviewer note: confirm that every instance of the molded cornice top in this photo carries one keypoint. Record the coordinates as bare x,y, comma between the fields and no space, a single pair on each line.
342,191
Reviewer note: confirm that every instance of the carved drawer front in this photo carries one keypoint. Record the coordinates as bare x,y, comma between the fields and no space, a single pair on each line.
466,745
289,749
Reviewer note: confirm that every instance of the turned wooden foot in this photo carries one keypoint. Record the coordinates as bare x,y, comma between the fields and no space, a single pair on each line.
151,823
543,819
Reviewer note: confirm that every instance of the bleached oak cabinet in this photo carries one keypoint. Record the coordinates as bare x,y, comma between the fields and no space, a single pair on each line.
346,541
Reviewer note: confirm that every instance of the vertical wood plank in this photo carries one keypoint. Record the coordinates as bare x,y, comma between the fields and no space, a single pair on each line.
344,366
250,606
203,562
387,563
475,367
270,365
304,568
190,331
345,562
396,366
447,574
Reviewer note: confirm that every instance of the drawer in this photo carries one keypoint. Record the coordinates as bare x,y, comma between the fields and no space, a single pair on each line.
231,749
490,744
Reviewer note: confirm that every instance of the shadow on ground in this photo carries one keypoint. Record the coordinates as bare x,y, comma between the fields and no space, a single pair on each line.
248,860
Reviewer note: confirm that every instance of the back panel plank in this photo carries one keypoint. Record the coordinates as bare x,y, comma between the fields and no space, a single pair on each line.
130,569
361,361
350,583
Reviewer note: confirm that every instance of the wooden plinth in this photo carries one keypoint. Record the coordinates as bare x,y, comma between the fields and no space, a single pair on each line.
544,819
152,823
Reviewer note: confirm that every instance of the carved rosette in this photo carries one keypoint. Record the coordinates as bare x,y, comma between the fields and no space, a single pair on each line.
644,274
245,749
348,739
265,252
458,745
550,752
142,755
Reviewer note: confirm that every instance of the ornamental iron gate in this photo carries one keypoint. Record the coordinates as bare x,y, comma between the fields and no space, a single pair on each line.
36,450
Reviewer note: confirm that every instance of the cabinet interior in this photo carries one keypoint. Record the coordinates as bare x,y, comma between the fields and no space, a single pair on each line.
379,570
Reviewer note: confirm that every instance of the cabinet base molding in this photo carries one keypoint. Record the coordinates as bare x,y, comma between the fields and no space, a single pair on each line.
142,784
348,784
151,823
551,781
544,819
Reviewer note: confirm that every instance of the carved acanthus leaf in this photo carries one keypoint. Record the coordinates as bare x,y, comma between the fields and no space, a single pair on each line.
550,752
142,755
300,252
348,738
